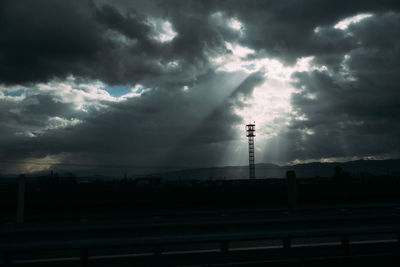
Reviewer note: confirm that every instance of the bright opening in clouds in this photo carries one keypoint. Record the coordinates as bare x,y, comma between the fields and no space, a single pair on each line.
236,25
270,103
162,30
118,91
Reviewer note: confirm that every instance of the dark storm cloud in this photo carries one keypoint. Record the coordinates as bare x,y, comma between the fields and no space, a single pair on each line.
19,120
353,108
116,42
133,25
111,40
285,29
45,39
149,130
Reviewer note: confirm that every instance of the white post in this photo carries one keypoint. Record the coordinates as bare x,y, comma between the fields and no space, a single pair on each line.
21,199
292,190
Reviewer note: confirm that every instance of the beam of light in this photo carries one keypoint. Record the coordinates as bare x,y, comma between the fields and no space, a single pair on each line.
219,91
269,106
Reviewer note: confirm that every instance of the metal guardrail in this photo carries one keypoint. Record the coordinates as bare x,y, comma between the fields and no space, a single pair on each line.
210,234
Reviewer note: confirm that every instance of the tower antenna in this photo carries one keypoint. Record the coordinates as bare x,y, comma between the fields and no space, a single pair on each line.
250,133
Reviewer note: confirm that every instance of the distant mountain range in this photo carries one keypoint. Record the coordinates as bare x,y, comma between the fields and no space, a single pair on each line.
263,170
267,170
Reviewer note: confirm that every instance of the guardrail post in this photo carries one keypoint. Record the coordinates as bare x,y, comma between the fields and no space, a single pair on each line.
7,259
398,249
346,244
224,247
287,243
398,244
157,250
21,199
84,257
291,190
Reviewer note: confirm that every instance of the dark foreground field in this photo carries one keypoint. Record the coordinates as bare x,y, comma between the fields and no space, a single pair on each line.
149,222
68,197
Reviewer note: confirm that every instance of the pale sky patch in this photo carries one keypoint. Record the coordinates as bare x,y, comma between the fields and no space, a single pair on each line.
81,94
136,91
345,71
237,62
33,165
172,64
52,124
221,19
12,93
162,30
236,25
238,50
340,159
57,122
269,106
345,23
119,38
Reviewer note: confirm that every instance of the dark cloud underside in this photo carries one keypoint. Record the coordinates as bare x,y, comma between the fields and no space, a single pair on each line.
347,106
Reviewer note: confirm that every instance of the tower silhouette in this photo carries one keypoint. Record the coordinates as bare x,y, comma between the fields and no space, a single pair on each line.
250,133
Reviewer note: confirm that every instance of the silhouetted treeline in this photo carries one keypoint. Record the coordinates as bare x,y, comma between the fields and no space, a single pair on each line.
57,194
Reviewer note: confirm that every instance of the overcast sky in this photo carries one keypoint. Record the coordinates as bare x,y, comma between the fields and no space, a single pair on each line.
172,83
